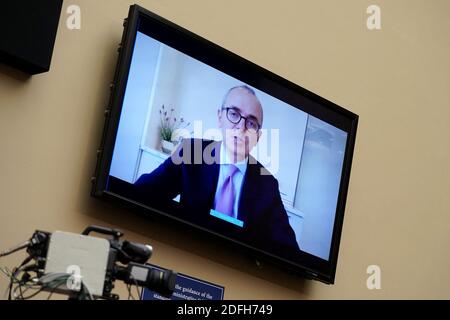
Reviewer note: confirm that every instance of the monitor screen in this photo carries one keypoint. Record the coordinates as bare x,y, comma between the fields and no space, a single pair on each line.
200,135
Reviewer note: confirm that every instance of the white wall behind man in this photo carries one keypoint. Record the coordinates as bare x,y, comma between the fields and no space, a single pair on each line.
135,106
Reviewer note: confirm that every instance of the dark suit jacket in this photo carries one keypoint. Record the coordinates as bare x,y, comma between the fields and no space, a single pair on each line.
266,223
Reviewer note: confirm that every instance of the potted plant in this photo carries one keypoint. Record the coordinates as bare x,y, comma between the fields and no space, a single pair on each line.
168,128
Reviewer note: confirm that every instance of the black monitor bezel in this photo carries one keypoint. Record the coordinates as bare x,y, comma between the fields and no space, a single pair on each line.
250,73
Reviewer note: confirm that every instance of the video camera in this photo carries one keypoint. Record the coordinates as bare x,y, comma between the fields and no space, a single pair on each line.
85,267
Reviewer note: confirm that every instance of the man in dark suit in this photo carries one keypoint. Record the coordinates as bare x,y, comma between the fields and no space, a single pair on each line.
220,179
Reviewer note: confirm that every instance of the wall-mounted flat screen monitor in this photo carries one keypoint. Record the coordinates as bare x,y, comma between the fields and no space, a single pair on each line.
197,134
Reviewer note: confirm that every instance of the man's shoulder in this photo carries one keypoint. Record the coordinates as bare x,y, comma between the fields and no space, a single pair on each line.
260,172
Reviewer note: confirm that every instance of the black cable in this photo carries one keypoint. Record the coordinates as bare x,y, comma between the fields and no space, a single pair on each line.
28,285
15,249
56,287
82,295
82,291
26,277
137,287
130,295
46,286
11,281
13,275
20,289
34,294
14,279
139,292
40,289
88,293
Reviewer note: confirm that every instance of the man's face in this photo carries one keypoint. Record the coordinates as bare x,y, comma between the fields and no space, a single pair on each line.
239,138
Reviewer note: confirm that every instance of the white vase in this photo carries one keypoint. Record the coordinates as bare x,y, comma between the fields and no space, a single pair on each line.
167,146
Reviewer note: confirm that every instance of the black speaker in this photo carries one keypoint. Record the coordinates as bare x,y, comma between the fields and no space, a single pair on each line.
27,33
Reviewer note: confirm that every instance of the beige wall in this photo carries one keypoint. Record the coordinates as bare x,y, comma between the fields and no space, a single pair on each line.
397,79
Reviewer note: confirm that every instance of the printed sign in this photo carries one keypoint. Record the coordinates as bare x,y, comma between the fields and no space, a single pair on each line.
188,288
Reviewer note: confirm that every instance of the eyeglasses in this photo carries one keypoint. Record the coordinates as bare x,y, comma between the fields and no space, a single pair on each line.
235,117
